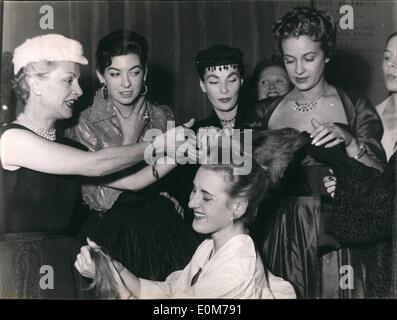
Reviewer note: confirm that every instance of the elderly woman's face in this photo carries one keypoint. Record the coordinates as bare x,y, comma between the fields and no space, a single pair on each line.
390,65
124,78
273,81
304,60
222,87
59,89
210,203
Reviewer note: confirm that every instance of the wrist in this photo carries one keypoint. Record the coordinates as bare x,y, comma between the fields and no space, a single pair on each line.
353,148
358,152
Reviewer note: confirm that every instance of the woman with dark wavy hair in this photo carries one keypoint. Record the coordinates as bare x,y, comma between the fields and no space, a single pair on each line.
298,248
129,216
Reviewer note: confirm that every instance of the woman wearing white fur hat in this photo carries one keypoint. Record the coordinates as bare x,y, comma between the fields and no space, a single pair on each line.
37,166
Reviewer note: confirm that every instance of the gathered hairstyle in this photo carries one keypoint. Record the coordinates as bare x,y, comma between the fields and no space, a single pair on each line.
118,43
273,151
251,187
34,69
307,21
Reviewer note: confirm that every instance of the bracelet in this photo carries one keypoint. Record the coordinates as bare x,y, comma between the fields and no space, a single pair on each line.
363,150
155,173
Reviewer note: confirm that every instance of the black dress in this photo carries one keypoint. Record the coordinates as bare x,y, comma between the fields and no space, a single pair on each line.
38,249
141,229
298,248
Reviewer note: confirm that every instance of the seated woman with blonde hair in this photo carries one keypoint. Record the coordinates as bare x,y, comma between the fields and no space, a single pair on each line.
226,264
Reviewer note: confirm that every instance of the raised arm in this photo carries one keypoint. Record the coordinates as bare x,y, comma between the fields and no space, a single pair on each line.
21,148
143,177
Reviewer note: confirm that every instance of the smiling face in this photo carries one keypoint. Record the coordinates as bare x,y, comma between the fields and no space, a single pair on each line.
59,89
390,65
305,61
273,81
124,79
222,87
210,203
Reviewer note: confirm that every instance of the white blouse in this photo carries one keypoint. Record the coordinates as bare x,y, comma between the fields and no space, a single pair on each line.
389,139
235,272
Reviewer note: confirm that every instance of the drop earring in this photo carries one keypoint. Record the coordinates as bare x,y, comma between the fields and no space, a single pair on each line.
105,92
144,91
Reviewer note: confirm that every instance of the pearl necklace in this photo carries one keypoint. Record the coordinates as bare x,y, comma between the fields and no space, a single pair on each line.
228,124
36,128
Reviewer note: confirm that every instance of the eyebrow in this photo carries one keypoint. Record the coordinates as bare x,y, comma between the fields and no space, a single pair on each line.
212,75
230,75
206,192
310,52
72,73
134,67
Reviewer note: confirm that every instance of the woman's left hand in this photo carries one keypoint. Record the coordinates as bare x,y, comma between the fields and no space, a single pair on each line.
329,133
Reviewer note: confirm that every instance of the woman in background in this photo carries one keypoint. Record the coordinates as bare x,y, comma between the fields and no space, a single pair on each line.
298,247
365,214
139,227
270,79
387,110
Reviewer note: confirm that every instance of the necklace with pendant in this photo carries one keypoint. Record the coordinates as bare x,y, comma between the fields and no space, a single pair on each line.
307,106
31,124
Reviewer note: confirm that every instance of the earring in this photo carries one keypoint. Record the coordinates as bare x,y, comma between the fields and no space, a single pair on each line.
144,92
105,92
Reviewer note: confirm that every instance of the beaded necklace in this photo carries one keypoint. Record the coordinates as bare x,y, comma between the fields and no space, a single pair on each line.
36,128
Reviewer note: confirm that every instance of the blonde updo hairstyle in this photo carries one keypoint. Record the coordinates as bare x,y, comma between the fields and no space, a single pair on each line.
39,69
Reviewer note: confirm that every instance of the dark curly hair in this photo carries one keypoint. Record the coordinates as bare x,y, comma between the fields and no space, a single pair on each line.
120,42
307,21
219,55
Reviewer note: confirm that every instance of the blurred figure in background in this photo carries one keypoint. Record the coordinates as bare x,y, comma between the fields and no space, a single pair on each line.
270,79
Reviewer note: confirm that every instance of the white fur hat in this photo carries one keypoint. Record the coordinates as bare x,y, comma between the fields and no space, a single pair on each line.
50,47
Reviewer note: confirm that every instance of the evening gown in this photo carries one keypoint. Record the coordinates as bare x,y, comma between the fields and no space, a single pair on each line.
39,241
298,245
